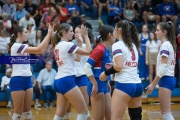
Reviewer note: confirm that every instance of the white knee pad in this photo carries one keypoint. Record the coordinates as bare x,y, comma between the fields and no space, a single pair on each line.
82,117
67,115
56,117
88,114
167,116
27,115
16,116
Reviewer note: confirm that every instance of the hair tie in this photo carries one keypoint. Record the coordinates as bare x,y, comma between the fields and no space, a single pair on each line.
12,35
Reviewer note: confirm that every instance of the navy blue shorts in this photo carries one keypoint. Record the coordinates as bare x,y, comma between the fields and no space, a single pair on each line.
64,84
168,82
132,89
18,83
102,87
81,81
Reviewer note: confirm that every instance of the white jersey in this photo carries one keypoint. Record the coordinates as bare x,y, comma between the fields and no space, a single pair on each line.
18,49
167,50
128,74
80,65
64,55
153,46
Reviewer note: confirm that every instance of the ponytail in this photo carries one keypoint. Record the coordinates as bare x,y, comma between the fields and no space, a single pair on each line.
97,41
12,41
134,35
55,39
171,34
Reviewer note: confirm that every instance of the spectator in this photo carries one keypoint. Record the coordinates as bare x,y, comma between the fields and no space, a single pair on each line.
71,6
84,22
63,12
38,38
129,13
6,23
27,20
45,82
55,20
167,12
148,13
114,13
4,40
5,86
88,5
45,7
74,20
102,6
20,13
51,13
136,5
16,2
43,28
10,9
33,10
31,34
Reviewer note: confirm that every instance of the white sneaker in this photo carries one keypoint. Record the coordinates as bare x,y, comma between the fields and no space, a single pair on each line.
38,104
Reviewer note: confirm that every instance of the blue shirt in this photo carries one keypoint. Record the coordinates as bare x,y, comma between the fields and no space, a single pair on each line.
72,8
88,2
99,57
19,15
166,9
113,12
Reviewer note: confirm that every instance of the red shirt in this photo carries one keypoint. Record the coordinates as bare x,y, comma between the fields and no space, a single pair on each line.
61,18
44,9
18,1
178,46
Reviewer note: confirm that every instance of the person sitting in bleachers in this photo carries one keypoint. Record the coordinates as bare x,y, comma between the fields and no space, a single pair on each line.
71,6
20,13
45,83
5,87
167,12
148,13
10,9
129,13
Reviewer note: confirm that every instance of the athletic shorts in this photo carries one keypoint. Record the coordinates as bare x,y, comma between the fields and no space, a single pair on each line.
132,89
81,81
18,83
168,82
65,84
102,87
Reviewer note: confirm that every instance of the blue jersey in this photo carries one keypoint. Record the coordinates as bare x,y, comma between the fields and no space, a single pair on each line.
98,59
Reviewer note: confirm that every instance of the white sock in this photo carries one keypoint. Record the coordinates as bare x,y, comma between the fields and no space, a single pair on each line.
27,115
16,116
67,115
88,115
167,116
56,117
82,117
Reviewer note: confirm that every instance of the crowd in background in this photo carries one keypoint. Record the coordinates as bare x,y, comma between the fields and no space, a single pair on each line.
35,15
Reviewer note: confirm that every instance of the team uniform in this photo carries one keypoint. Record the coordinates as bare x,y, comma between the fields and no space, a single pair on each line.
127,80
153,51
143,68
64,54
98,59
21,74
167,81
81,78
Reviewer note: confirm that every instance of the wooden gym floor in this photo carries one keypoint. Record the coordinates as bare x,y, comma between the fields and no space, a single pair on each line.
150,112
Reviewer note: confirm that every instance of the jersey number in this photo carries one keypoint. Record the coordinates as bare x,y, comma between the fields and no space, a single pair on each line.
133,57
56,55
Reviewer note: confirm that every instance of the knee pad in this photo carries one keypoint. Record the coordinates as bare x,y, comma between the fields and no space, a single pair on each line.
27,115
82,117
167,116
135,113
67,115
56,117
16,116
88,114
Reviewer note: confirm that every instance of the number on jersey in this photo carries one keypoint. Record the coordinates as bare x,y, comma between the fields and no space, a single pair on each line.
133,57
56,55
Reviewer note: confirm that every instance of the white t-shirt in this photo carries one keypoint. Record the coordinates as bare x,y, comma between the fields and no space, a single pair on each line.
64,55
4,43
128,74
5,81
167,50
153,46
18,49
80,65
